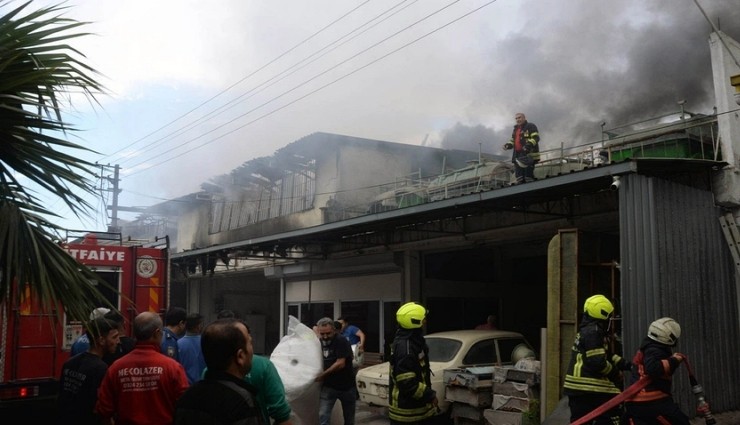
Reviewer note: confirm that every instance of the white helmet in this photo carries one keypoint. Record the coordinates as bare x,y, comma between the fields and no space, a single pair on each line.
665,331
99,313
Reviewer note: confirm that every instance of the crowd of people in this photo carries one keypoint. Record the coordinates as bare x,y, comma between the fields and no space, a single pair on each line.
185,373
176,371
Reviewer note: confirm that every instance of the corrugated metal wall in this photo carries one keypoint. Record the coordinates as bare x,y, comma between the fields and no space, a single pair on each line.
675,262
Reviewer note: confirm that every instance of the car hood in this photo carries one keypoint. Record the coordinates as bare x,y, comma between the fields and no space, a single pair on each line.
375,371
382,370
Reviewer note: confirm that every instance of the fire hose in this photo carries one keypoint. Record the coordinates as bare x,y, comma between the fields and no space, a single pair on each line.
702,408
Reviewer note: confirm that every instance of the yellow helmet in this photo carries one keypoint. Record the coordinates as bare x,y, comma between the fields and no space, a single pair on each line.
598,307
411,315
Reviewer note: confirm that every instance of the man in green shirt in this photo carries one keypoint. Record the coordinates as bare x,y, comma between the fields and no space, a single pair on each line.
271,395
271,392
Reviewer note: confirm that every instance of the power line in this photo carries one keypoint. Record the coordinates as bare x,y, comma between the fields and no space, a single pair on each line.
719,33
285,73
240,81
313,91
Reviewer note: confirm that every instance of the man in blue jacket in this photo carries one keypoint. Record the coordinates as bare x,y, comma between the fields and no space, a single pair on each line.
174,329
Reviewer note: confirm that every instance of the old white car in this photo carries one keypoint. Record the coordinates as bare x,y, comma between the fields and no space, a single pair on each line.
447,350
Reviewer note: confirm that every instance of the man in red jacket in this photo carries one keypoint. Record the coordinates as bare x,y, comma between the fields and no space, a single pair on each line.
143,386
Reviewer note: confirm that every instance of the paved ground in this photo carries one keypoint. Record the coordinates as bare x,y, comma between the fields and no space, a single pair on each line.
726,418
367,415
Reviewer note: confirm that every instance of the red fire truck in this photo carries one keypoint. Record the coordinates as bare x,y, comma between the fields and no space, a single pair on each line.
33,345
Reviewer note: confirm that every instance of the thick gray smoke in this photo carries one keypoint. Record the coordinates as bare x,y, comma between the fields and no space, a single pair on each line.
576,64
465,137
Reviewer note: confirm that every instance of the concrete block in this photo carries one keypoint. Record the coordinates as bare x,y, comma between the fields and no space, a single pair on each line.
478,398
502,417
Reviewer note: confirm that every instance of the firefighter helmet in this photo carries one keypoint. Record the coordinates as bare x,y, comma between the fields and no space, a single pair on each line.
411,315
99,313
524,161
598,307
664,330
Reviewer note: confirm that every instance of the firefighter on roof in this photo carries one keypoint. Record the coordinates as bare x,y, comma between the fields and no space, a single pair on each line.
524,142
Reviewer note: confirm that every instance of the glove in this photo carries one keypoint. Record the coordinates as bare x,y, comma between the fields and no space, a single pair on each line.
616,376
508,146
527,148
621,363
679,357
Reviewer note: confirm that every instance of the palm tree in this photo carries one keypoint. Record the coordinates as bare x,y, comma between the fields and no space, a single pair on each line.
39,73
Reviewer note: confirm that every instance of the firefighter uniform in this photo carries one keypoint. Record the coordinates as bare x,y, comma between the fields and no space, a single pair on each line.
412,399
410,386
593,372
655,359
524,143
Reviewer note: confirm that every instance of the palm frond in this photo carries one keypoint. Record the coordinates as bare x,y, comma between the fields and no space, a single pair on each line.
39,69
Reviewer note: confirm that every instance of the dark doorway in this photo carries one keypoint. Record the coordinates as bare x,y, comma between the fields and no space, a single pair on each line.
447,314
312,312
362,314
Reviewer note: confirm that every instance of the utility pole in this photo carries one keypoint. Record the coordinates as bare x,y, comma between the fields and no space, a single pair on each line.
114,227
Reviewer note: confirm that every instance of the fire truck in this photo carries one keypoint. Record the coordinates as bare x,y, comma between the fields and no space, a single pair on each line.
34,344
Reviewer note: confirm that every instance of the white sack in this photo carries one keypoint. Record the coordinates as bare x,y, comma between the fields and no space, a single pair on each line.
298,360
357,357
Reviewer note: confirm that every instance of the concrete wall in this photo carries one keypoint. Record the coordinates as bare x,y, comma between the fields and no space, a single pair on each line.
363,170
727,183
351,175
192,227
327,179
251,296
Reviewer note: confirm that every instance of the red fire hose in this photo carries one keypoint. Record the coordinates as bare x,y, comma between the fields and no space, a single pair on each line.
702,407
615,401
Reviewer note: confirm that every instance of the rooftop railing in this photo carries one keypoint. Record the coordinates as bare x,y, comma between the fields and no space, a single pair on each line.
690,138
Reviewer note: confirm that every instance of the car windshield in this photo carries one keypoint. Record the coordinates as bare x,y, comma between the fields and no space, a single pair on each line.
442,349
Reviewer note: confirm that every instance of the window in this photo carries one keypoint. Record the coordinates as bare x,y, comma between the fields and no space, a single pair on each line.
442,349
312,312
483,352
506,348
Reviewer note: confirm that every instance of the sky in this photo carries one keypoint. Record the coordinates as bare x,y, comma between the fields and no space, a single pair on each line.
196,88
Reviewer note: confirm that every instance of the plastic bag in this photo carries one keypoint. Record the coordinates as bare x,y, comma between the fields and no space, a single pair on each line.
298,358
357,357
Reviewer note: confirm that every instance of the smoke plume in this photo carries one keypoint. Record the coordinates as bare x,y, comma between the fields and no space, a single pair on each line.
577,64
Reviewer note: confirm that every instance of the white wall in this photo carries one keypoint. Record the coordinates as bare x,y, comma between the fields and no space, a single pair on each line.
361,169
192,228
374,287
